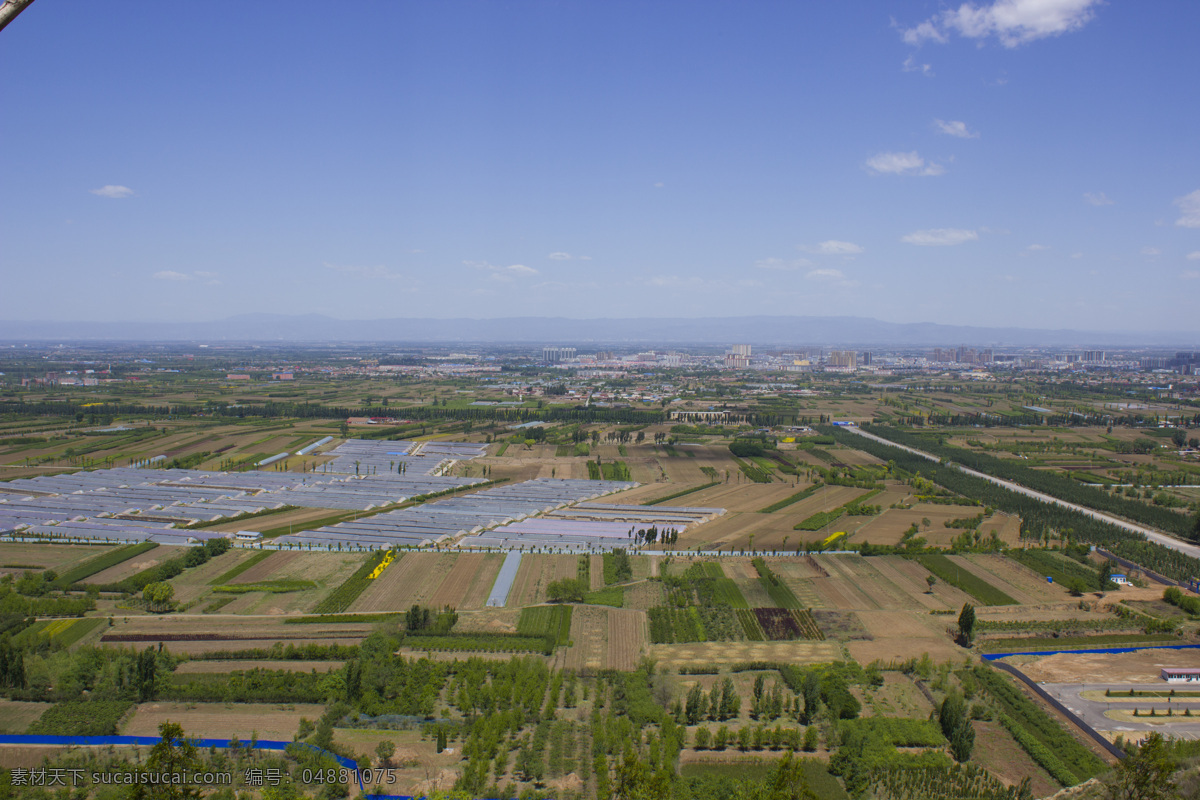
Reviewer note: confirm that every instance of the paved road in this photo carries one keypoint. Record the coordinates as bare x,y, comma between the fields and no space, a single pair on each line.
1092,711
1151,534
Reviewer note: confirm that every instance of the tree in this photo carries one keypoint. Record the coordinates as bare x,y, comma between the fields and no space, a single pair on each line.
1144,775
787,781
931,581
173,755
1104,576
966,624
812,697
159,596
956,726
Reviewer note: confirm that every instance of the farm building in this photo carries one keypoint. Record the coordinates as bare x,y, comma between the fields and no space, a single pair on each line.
1180,675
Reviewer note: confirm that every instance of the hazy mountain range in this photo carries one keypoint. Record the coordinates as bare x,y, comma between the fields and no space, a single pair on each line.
716,331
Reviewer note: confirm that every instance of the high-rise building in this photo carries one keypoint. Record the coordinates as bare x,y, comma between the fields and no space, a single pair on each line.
842,358
557,355
740,350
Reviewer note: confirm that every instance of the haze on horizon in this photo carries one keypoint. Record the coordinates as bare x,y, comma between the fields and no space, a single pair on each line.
1008,163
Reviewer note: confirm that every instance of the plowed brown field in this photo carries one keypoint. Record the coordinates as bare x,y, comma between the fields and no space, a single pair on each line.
628,637
470,572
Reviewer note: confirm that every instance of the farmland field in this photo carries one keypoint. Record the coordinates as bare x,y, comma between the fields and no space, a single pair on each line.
58,557
221,720
675,656
535,574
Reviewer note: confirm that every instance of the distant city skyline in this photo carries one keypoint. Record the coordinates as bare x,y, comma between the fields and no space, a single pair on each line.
1008,164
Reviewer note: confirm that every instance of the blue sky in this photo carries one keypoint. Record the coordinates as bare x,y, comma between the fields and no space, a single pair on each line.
1024,162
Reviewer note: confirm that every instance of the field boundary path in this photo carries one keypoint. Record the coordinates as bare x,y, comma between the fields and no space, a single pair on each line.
1151,534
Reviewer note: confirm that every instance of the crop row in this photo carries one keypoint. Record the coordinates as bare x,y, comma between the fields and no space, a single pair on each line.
750,626
1078,642
81,718
229,575
672,625
344,596
1061,568
779,591
819,520
1024,715
787,501
483,643
951,573
273,587
102,562
669,497
543,621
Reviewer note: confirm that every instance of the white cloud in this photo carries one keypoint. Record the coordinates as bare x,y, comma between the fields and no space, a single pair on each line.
503,274
902,164
1076,255
1194,256
1013,22
825,275
940,237
1097,198
954,127
835,248
560,256
1189,207
1036,247
171,275
113,192
925,31
659,185
1190,274
912,65
1151,251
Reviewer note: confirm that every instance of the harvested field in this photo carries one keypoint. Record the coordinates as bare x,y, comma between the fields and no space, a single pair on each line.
264,569
628,637
909,576
535,573
132,566
644,595
756,596
999,754
224,667
194,583
846,581
58,557
595,573
1015,579
1140,666
222,720
417,769
412,579
589,640
674,656
491,620
16,715
841,626
901,635
469,581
